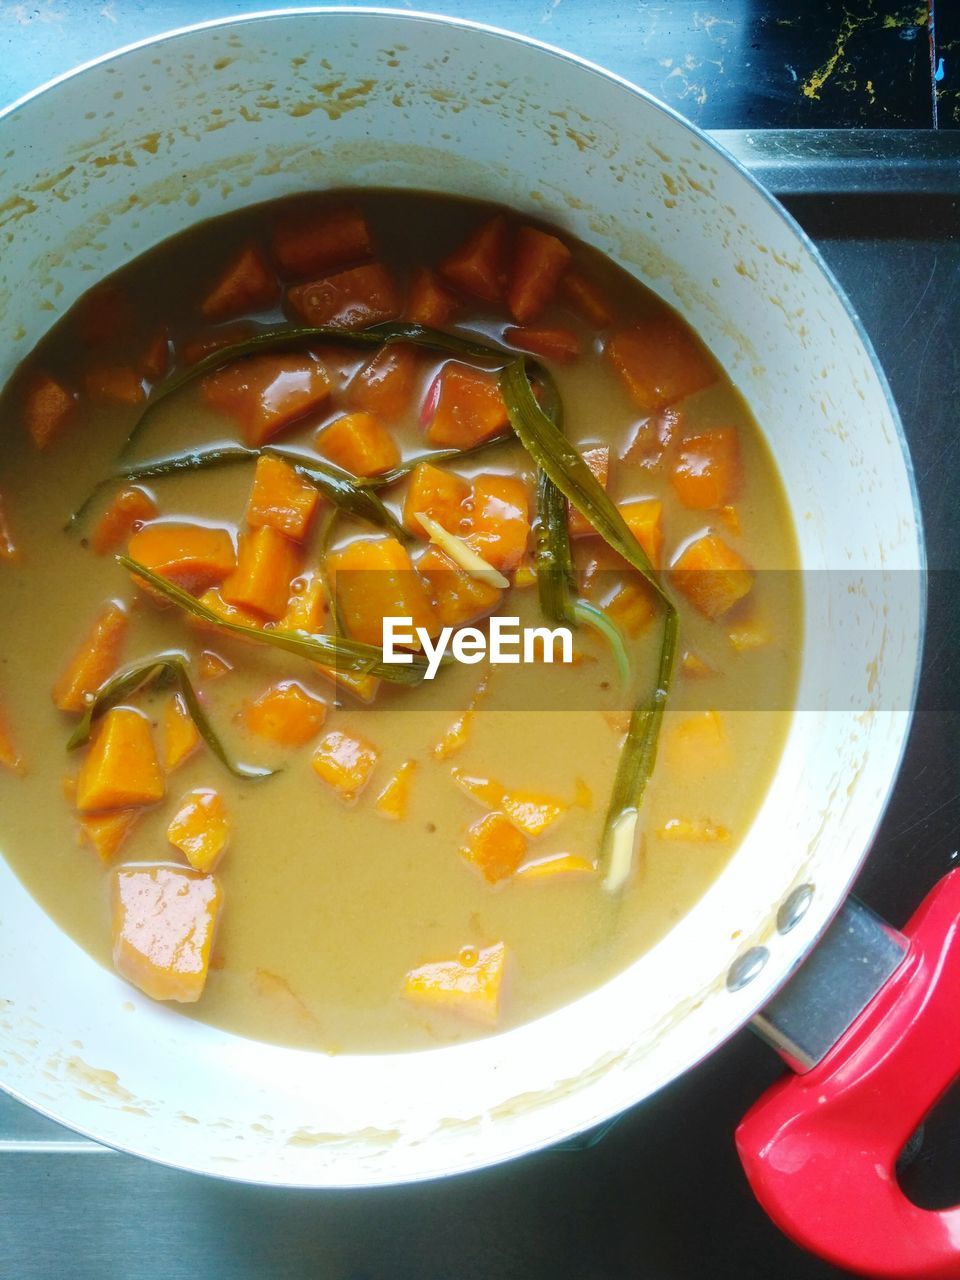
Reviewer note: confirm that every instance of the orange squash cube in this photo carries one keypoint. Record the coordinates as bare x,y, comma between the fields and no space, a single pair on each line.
156,358
282,498
643,518
266,563
246,284
307,605
428,302
712,576
106,833
495,847
266,393
206,343
384,386
468,407
477,267
597,459
557,867
500,521
693,831
47,408
181,737
286,713
213,666
130,509
553,344
358,443
121,769
531,812
95,660
363,687
10,757
436,493
660,361
539,260
469,986
653,438
119,384
457,597
632,608
194,556
706,471
586,299
374,578
199,828
214,601
350,299
345,762
309,240
164,921
393,799
697,744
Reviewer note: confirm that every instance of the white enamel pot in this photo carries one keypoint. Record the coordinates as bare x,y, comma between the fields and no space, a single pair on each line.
106,162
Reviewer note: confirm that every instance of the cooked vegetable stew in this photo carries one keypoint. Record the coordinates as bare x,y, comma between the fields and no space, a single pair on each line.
222,470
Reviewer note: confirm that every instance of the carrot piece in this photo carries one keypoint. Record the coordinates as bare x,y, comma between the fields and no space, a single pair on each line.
10,757
307,604
117,383
361,686
194,556
539,260
156,358
632,608
457,597
345,763
246,284
358,443
266,564
692,665
477,267
660,361
352,299
282,498
393,799
712,576
180,735
531,812
706,471
106,833
653,438
305,241
693,831
121,769
698,744
598,460
105,315
199,828
128,510
428,302
286,713
385,384
47,407
469,986
206,343
643,519
8,547
469,407
586,299
557,866
552,344
436,493
374,578
500,522
266,393
213,666
95,660
164,921
495,847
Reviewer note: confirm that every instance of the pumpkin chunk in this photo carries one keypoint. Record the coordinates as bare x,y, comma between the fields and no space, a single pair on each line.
351,299
558,866
305,241
653,438
286,713
180,735
266,393
198,348
469,986
247,284
597,459
266,563
362,686
199,828
10,757
213,599
282,498
121,769
539,260
119,384
586,299
553,344
531,812
477,267
428,302
712,576
457,597
467,407
358,443
660,362
345,762
693,831
47,408
307,605
500,522
213,666
384,386
436,493
8,546
95,660
156,357
129,509
642,517
706,471
194,556
393,799
106,833
632,608
698,744
694,667
374,578
164,921
495,847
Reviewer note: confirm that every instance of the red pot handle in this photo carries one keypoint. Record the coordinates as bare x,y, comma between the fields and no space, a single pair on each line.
820,1149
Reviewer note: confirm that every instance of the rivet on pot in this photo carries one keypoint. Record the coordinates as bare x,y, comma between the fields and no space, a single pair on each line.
746,967
794,907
